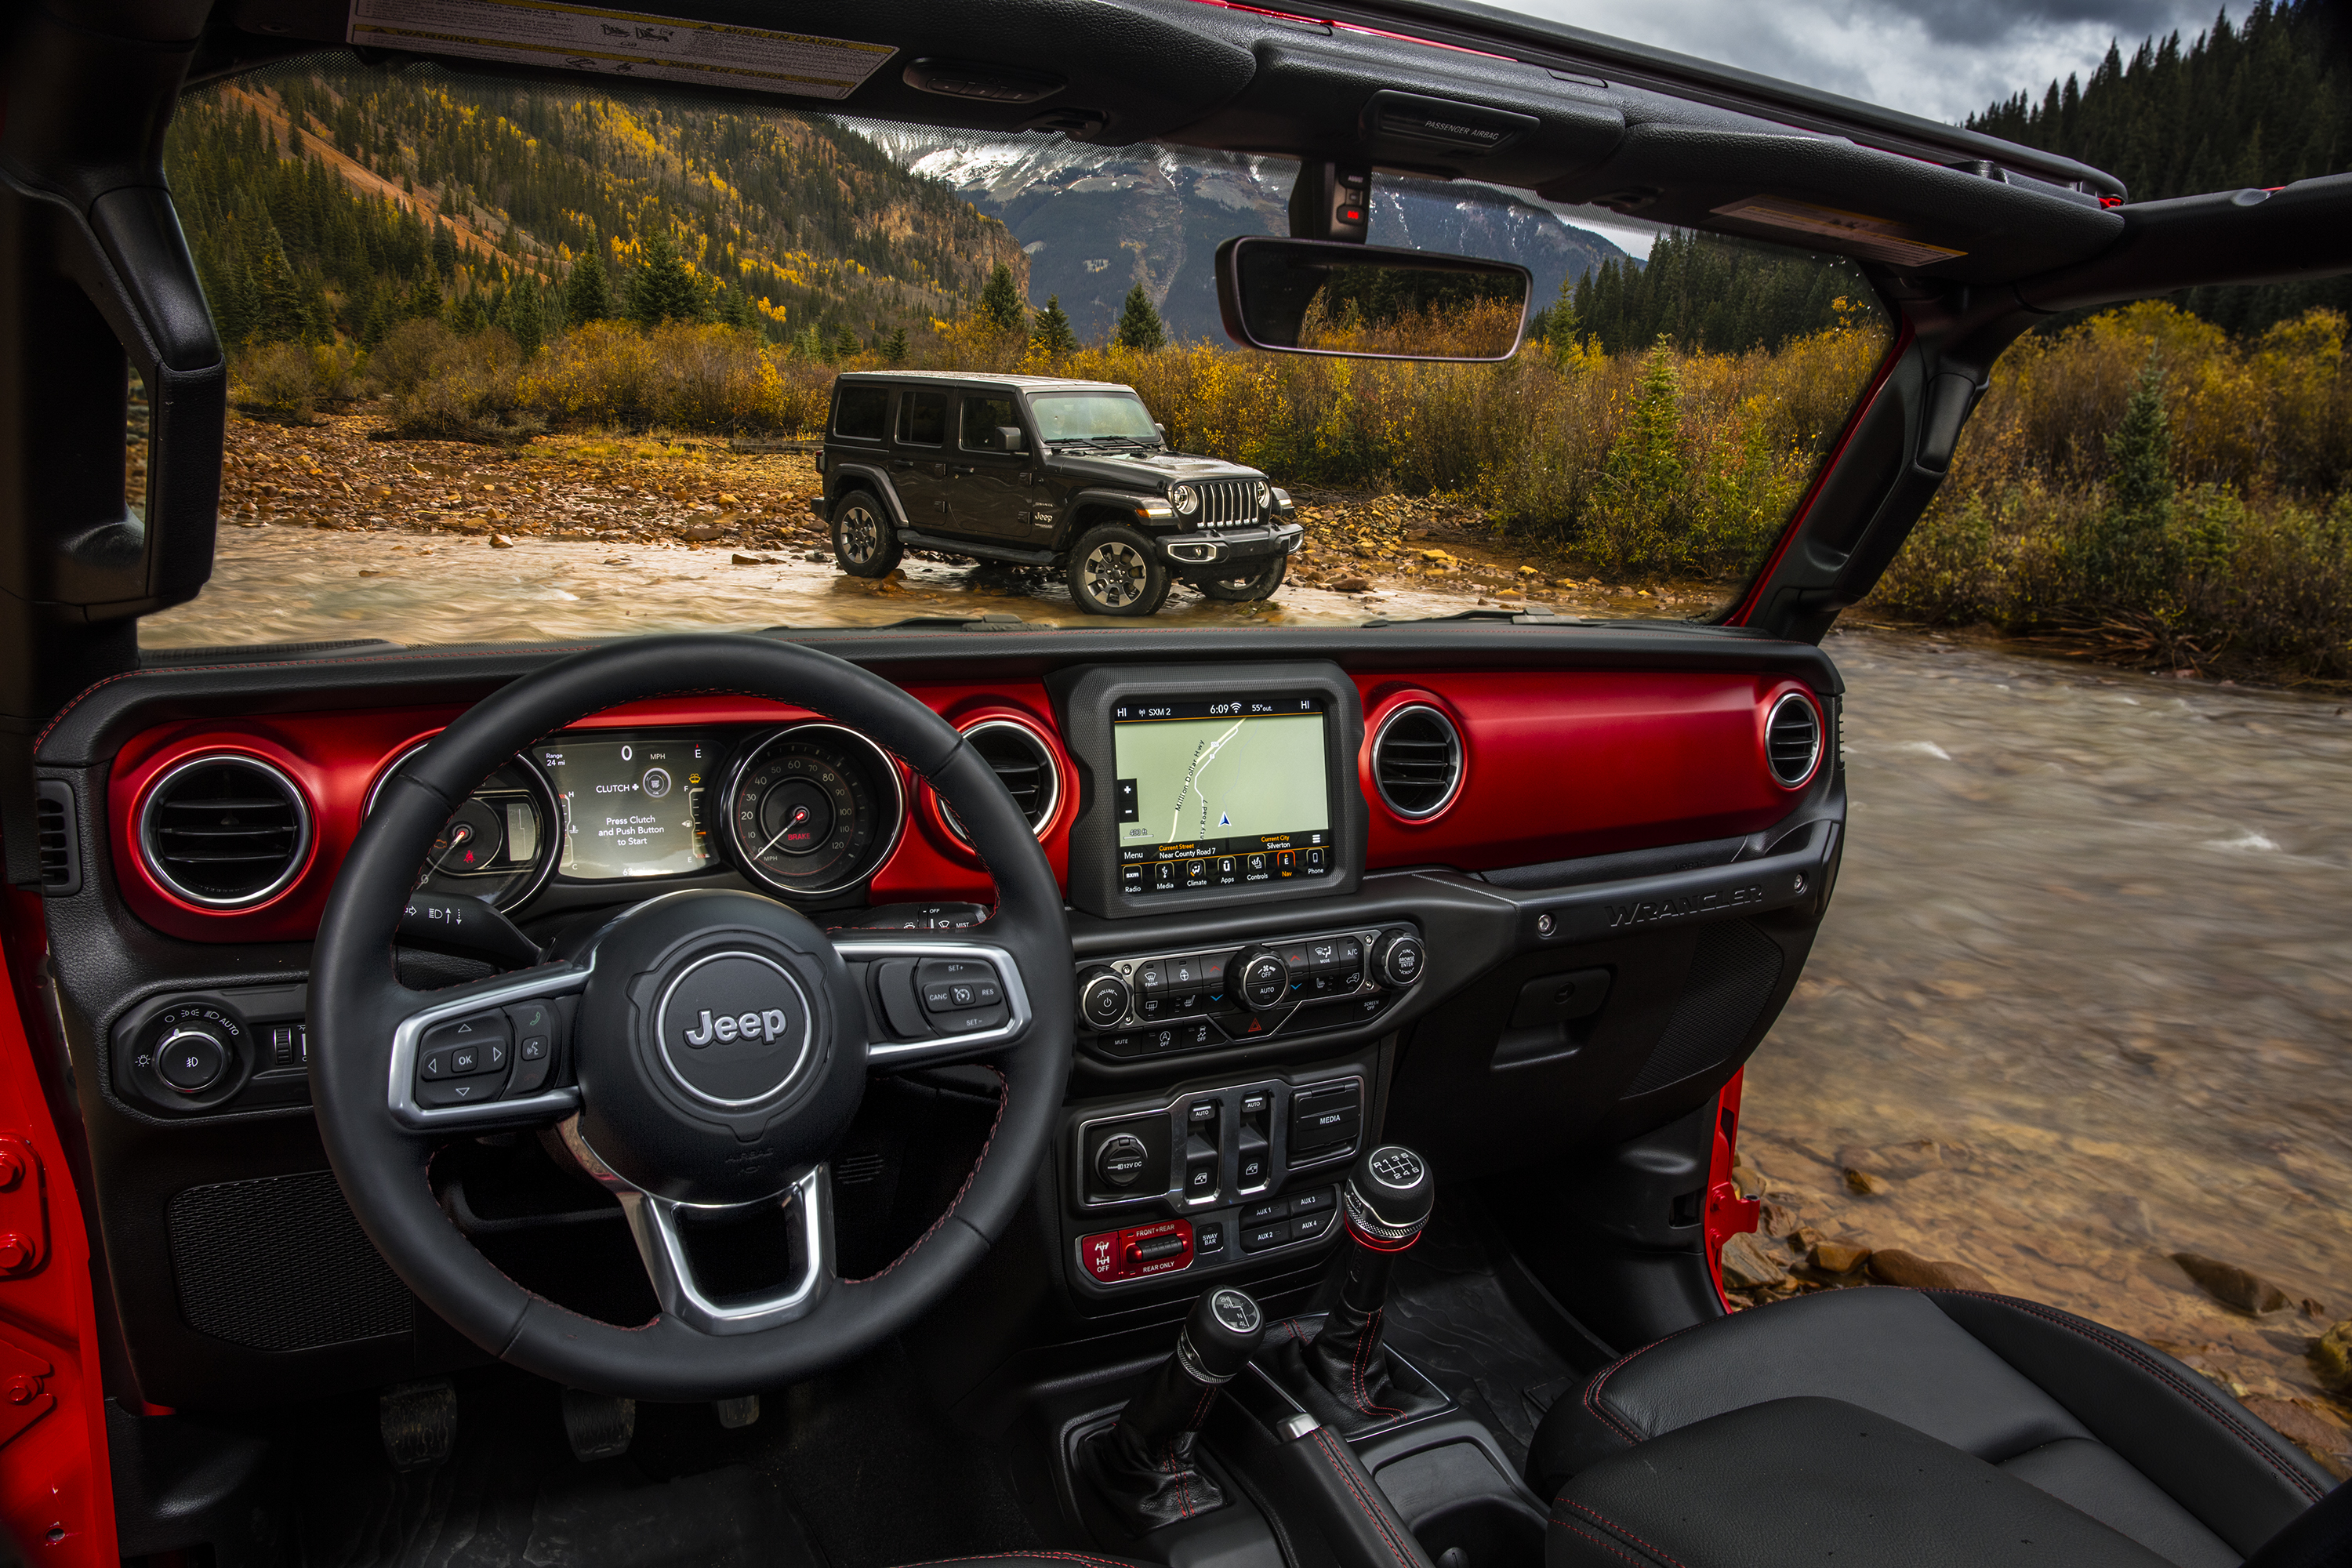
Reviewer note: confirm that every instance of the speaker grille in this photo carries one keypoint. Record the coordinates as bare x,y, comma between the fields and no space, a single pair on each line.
1732,975
281,1265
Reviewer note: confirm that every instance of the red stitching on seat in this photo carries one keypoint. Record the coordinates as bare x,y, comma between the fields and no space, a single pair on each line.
1592,1390
1610,1547
1607,1523
2107,1339
1379,1521
1003,1096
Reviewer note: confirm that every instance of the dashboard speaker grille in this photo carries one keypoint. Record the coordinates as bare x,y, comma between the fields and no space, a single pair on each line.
281,1264
1024,766
1417,760
225,831
1792,740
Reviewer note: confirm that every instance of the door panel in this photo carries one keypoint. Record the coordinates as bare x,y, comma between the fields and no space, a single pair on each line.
986,496
919,466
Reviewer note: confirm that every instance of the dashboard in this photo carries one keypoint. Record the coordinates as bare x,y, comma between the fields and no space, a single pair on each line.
1490,890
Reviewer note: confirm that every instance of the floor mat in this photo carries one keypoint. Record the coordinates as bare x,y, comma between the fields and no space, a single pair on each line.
856,1470
1450,1316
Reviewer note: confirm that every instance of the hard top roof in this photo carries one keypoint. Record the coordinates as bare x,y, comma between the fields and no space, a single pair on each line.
976,378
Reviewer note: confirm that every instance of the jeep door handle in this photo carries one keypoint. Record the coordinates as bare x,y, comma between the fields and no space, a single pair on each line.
899,465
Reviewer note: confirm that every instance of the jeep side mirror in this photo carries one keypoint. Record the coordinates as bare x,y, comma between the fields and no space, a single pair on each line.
1011,438
1362,301
1163,431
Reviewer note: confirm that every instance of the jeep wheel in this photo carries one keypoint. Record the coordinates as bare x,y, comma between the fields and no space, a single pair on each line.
1114,571
1258,585
863,540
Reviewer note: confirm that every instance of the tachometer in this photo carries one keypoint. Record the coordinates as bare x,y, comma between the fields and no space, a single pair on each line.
814,809
498,845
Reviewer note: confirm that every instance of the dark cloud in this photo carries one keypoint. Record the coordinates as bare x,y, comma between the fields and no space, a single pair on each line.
1940,58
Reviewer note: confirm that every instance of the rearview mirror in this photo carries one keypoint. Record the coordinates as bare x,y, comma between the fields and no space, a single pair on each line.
1329,297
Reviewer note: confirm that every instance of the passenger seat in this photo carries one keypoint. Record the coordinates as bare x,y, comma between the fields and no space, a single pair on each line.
1912,1428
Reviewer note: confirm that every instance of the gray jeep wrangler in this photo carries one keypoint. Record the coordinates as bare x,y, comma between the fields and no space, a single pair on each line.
1039,471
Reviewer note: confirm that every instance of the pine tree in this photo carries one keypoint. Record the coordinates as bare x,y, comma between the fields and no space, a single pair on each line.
735,310
846,345
424,300
469,317
894,347
1001,302
1054,332
374,326
524,315
444,250
587,296
2141,451
1140,326
279,318
810,344
663,289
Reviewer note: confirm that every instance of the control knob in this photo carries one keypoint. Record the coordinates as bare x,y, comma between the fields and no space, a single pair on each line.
1102,997
1399,959
1262,978
191,1058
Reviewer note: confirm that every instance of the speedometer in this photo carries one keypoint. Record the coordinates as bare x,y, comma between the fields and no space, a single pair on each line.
814,809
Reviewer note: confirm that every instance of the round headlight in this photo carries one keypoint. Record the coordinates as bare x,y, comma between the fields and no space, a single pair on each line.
1184,499
1264,495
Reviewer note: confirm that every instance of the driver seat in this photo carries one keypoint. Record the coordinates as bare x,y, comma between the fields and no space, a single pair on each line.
1935,1427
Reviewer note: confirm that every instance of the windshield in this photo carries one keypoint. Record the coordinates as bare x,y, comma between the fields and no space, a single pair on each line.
511,362
1092,416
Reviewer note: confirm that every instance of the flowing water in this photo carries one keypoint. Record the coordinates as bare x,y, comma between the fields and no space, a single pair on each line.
2083,997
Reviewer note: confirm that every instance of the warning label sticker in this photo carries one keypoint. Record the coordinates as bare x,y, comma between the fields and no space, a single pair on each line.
619,42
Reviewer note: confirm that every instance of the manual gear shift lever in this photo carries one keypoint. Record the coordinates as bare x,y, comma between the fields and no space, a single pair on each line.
1144,1464
1387,1198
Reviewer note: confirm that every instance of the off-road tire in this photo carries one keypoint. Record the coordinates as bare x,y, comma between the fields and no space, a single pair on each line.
1261,584
863,540
1115,570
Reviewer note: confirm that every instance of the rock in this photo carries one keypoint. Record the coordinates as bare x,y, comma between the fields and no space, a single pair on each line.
740,559
2232,1286
2331,1357
370,571
702,532
1746,1266
1898,1160
1777,1220
500,542
1528,572
1837,1258
1891,1265
2299,1423
1868,1183
1352,585
819,556
1748,1181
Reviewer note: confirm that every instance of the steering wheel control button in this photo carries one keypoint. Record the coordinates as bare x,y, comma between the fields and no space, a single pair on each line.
1138,1252
1121,1162
191,1059
734,1028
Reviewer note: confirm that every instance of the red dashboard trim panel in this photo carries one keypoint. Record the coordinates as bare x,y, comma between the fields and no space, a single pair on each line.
1557,766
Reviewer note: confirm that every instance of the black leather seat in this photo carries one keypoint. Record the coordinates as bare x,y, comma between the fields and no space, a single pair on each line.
2039,1403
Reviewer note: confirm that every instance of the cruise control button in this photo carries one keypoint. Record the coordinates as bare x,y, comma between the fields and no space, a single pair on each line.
972,1020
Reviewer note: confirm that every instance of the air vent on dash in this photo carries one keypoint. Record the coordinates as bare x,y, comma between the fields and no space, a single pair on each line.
1025,766
1417,760
225,832
1792,740
60,850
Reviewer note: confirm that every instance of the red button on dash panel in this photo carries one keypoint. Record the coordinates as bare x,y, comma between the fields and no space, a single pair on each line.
1161,1248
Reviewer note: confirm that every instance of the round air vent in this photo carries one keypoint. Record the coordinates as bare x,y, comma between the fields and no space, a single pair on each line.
224,831
1792,740
1024,762
1417,761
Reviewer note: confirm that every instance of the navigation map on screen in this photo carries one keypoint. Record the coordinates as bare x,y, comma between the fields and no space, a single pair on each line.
1221,791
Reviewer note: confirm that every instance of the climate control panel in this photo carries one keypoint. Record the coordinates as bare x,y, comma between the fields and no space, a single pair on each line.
1161,1003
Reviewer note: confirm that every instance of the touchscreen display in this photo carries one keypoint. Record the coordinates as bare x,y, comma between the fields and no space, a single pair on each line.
1221,791
631,807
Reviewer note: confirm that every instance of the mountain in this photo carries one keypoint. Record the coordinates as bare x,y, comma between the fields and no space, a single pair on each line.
315,191
2264,102
1098,221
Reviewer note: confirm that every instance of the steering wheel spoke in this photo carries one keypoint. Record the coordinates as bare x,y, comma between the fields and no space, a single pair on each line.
934,1002
485,1055
659,1226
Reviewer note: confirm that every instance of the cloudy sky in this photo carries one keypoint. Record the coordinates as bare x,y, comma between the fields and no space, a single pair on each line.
1940,58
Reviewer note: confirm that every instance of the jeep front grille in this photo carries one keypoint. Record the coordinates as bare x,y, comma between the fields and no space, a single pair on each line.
1224,501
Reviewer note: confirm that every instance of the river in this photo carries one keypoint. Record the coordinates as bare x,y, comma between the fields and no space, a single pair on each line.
2084,992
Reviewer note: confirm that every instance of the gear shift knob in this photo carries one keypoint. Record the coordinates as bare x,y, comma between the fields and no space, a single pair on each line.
1388,1198
1222,1334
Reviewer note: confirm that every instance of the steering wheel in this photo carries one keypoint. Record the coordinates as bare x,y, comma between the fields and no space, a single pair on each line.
719,1046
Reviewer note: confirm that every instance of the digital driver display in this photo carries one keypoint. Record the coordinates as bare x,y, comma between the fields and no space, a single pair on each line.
631,807
1221,791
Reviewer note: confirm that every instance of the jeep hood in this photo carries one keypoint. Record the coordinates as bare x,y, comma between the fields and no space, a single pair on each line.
1156,469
